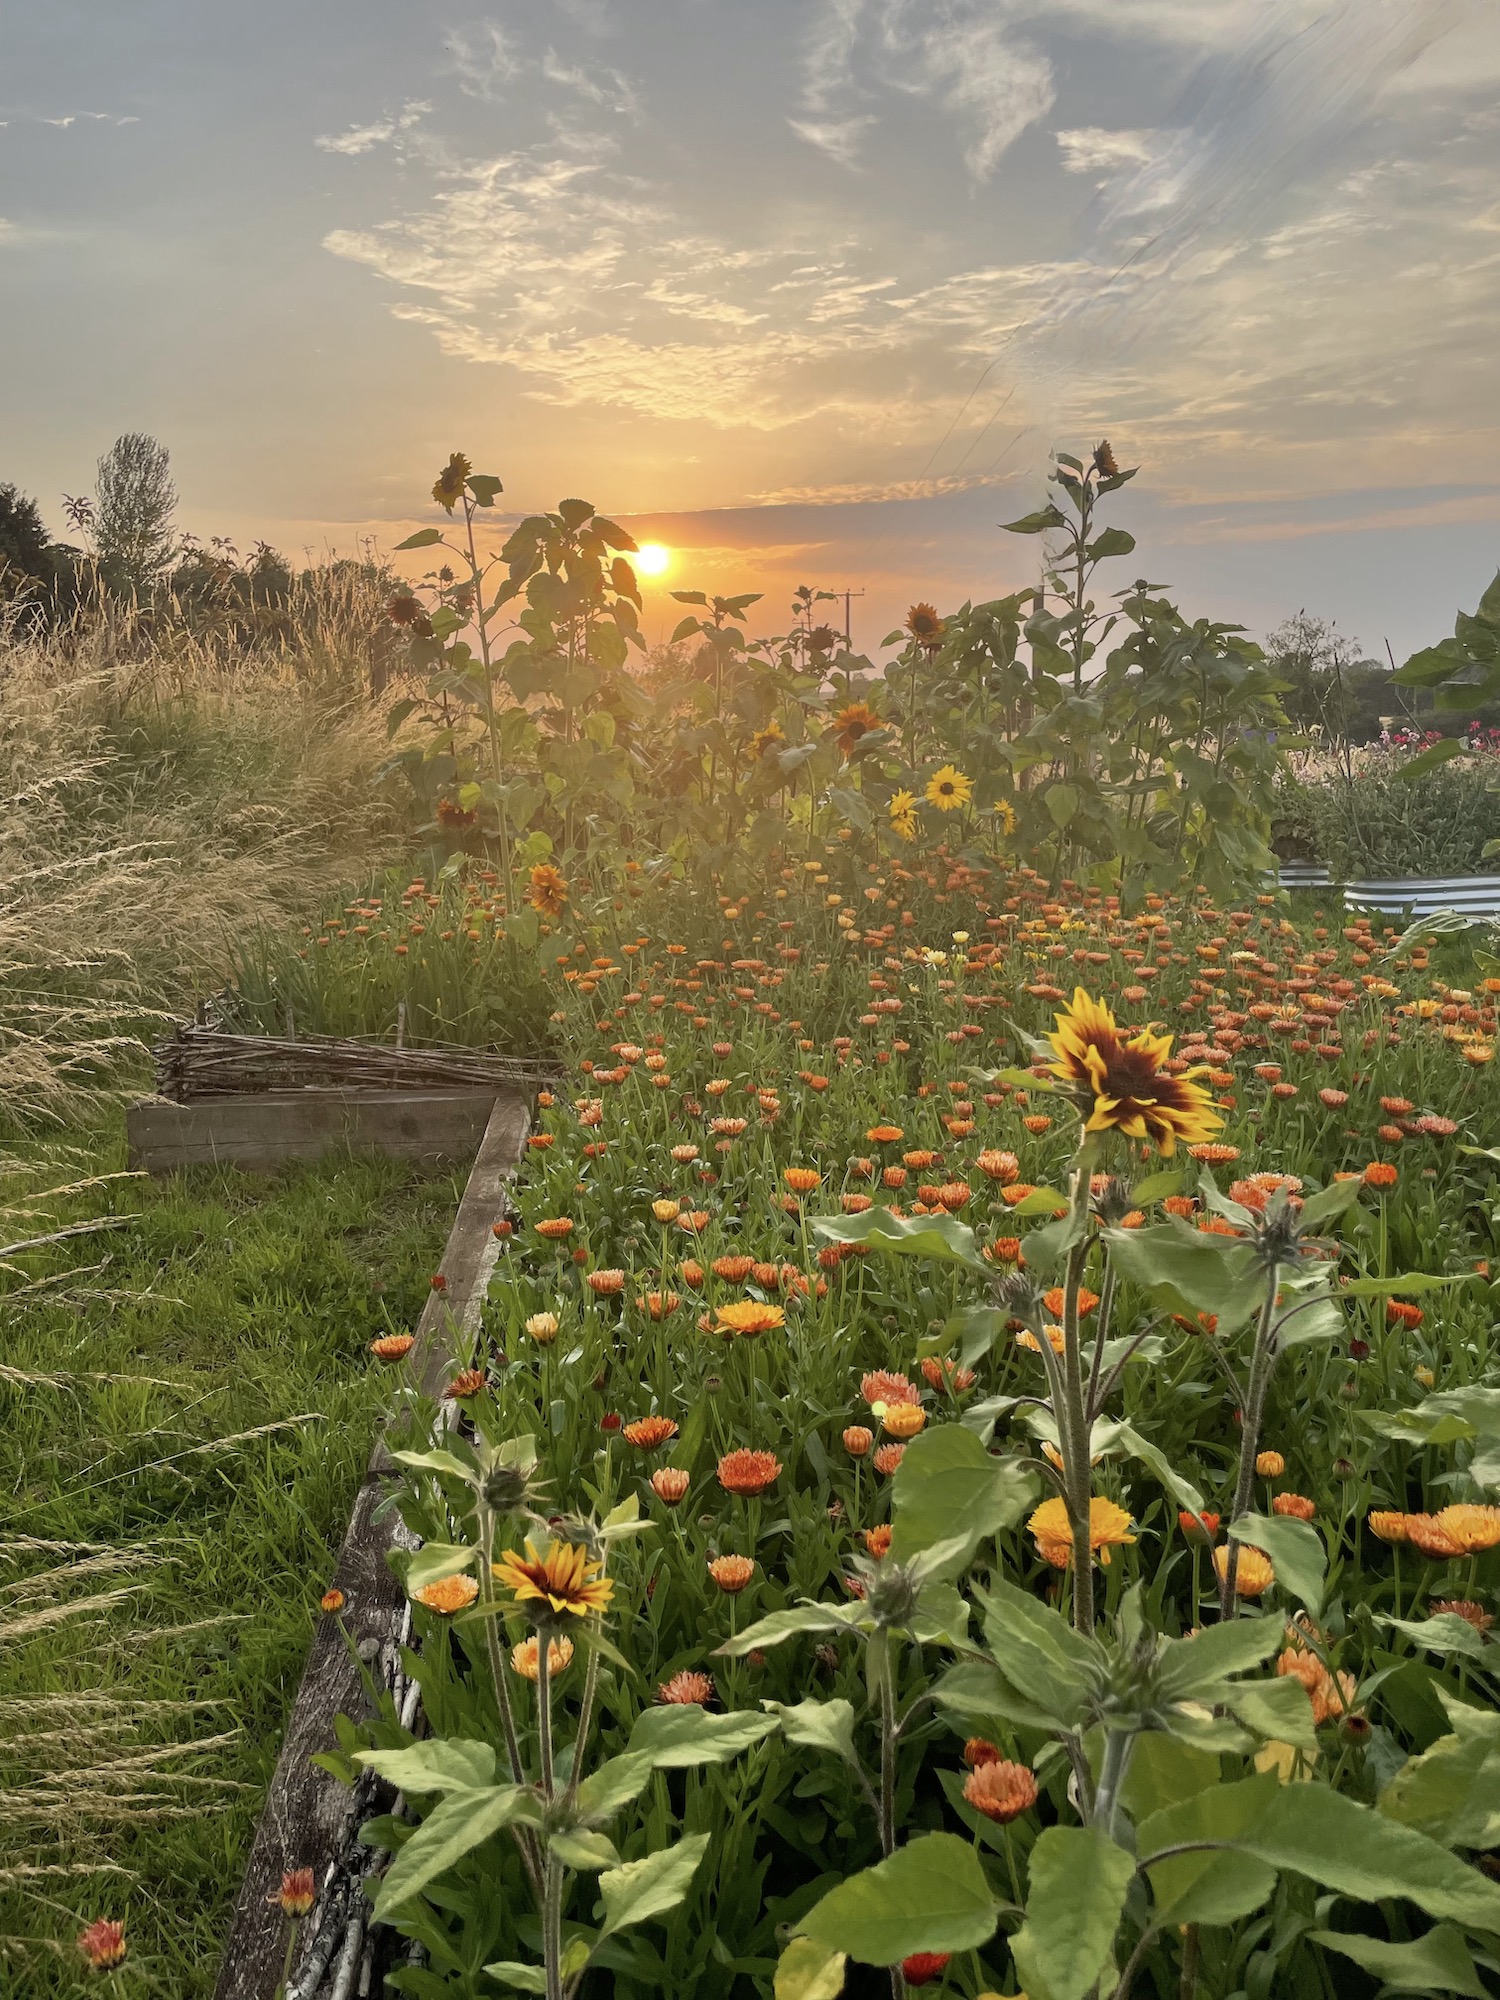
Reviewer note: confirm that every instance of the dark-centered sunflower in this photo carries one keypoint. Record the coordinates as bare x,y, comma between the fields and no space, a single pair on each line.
1124,1084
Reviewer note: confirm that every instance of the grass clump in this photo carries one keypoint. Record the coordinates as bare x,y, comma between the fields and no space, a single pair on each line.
186,1407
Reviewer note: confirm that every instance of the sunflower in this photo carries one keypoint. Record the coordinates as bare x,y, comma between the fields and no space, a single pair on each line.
852,722
549,890
903,811
1104,460
924,625
1005,812
562,1580
765,740
1124,1082
948,788
448,487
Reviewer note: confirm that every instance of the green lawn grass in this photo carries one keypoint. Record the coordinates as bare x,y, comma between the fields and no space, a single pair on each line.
226,1305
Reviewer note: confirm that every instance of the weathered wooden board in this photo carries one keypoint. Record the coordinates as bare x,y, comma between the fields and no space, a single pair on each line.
306,1819
259,1134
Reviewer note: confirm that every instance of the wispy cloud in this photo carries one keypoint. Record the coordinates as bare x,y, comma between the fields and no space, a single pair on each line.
365,138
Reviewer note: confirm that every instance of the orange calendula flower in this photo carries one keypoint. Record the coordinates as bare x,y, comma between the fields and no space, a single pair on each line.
297,1893
802,1180
1000,1790
647,1433
748,1472
670,1484
103,1944
731,1573
1427,1533
393,1346
885,1135
606,1284
878,1540
467,1382
857,1441
903,1420
749,1317
1270,1464
1296,1505
448,1594
1473,1528
997,1165
687,1689
555,1228
1380,1174
1125,1083
332,1601
881,1386
1387,1524
548,891
887,1458
1109,1527
563,1579
525,1658
1253,1573
1465,1608
734,1269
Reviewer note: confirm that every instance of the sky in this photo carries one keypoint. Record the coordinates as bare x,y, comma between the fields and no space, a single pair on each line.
808,290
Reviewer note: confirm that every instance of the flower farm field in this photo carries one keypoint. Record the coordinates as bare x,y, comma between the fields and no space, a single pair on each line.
187,1408
771,1403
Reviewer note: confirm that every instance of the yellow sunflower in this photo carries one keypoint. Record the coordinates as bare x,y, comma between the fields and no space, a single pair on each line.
854,720
448,487
1124,1083
948,789
765,740
903,810
1005,812
563,1579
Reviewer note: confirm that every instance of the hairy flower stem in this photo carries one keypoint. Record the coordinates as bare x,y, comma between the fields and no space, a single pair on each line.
552,1889
1118,1744
1093,1399
585,1718
524,1839
1073,1424
1262,1364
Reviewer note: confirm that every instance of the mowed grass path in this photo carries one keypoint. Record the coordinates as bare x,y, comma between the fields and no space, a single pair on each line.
228,1305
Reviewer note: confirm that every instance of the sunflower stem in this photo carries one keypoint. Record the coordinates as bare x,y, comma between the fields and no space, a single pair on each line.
1073,1423
1262,1362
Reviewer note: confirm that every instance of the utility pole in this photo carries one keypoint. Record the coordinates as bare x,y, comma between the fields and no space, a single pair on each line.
847,595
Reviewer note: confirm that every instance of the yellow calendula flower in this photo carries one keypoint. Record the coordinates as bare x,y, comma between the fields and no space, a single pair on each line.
1109,1527
948,788
1125,1083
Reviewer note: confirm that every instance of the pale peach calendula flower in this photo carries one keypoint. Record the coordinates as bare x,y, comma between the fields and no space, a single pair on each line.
448,1594
646,1433
687,1689
731,1573
525,1657
1000,1790
748,1472
670,1484
543,1328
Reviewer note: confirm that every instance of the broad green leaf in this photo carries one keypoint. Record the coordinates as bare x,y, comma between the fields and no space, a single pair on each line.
422,539
435,1461
435,1560
585,1851
930,1895
817,1725
1162,1772
1041,1201
1111,542
1209,1887
1201,1272
1188,1666
1445,1632
676,1737
1429,760
942,1238
525,1978
484,486
1328,1204
652,1886
614,1784
809,1971
1297,1553
1278,1710
1118,1437
1409,1283
1451,1792
1436,1963
1079,1879
780,1625
462,1822
979,1693
948,1485
442,1764
1061,802
1037,523
1364,1854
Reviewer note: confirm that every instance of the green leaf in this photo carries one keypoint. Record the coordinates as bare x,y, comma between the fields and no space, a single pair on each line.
614,1784
1204,1273
1079,1880
817,1725
1361,1853
781,1625
1188,1666
442,1764
942,1238
1430,758
525,1978
1041,1201
1445,1632
484,486
1112,542
585,1851
1452,1791
676,1737
1037,523
435,1560
947,1485
435,1461
1209,1887
422,539
462,1822
1278,1710
1119,1437
809,1971
930,1895
1328,1204
652,1886
1061,802
1297,1553
1437,1963
1408,1282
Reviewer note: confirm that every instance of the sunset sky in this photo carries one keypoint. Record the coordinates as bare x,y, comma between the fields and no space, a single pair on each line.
806,289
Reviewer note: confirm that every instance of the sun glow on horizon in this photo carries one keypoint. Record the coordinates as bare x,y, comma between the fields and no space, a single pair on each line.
653,559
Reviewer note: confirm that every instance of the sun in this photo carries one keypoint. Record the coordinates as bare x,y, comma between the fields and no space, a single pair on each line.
652,559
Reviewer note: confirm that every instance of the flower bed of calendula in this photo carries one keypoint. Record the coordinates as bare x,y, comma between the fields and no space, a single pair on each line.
863,1275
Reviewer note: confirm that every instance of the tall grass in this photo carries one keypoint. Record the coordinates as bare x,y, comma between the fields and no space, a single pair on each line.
162,791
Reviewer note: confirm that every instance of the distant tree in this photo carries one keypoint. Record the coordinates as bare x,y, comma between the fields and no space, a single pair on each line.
133,508
24,544
1329,685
